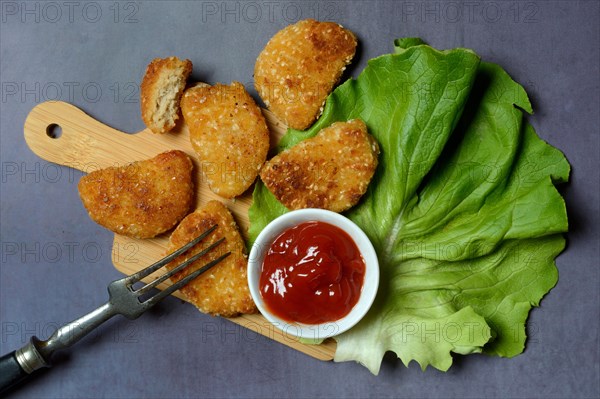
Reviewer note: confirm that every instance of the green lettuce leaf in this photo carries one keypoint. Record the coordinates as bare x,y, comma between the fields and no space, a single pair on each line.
462,210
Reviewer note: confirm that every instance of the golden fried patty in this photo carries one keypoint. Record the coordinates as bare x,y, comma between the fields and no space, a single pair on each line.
298,68
229,133
161,90
331,170
222,290
141,199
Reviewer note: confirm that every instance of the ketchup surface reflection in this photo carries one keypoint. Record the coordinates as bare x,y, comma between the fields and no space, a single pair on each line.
312,273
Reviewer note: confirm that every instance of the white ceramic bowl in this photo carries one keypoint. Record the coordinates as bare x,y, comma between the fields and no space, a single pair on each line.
370,283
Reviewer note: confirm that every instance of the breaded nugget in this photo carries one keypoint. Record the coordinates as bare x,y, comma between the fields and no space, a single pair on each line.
229,133
142,199
222,290
299,67
161,91
330,171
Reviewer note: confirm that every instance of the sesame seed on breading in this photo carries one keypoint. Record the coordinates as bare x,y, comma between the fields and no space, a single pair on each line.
331,170
224,290
311,55
229,132
141,199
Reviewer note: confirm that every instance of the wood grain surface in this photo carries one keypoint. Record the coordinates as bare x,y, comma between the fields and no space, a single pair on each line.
87,145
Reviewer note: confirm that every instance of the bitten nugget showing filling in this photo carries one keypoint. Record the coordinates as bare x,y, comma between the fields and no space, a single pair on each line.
161,90
229,133
299,67
223,289
142,199
330,171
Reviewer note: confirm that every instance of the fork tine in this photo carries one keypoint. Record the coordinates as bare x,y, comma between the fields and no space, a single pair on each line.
160,279
169,290
154,267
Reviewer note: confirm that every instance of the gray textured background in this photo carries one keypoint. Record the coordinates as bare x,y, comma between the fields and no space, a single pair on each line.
94,54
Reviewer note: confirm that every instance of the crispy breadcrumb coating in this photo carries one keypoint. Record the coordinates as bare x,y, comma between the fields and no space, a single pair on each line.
222,290
299,67
229,133
330,171
142,199
161,90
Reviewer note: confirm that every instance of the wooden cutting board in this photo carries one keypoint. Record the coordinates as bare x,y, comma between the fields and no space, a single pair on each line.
87,145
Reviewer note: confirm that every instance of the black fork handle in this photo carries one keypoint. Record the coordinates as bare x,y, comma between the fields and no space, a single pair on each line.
11,372
16,366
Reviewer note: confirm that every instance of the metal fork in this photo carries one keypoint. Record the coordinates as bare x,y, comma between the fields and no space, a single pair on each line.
124,300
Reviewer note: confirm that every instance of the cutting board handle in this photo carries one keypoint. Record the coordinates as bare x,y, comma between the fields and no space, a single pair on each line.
84,143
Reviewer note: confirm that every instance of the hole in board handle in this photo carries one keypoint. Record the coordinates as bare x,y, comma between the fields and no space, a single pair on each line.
54,131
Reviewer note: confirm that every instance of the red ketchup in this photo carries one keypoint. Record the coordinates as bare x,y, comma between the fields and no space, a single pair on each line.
312,273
